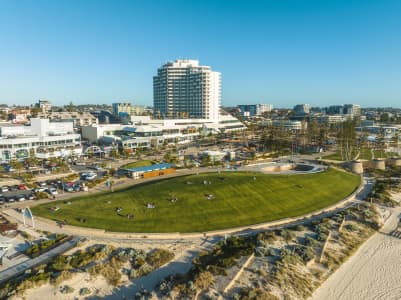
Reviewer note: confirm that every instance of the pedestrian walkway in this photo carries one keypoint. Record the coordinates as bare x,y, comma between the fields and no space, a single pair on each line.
19,269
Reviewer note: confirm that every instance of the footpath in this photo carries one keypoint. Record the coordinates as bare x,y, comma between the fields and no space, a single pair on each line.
19,269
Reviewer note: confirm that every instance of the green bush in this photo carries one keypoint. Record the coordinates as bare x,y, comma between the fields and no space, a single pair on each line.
159,257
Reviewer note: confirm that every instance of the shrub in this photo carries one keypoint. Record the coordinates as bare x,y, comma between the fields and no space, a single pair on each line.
84,291
351,227
159,257
287,235
63,276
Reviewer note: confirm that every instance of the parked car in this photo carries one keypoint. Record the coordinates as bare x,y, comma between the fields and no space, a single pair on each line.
52,191
39,189
2,200
9,168
22,187
90,176
95,167
31,197
4,189
11,199
20,197
13,188
76,188
68,188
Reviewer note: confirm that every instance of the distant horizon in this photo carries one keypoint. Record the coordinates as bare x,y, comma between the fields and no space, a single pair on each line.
223,106
279,52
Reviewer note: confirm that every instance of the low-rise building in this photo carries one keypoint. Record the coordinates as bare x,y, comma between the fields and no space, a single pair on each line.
79,118
290,125
252,110
42,139
146,132
151,171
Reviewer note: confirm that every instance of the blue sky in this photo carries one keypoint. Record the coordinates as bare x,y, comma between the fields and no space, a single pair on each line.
282,52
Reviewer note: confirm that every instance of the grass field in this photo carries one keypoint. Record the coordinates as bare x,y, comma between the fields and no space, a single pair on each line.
136,164
239,199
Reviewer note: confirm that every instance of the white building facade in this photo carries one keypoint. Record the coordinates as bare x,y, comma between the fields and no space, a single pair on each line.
42,139
146,132
184,89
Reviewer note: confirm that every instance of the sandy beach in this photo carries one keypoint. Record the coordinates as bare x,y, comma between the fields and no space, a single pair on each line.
373,272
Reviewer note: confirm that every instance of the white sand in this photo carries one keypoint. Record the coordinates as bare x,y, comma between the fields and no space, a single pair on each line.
98,287
374,272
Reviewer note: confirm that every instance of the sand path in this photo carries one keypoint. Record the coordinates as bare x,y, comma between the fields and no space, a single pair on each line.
374,272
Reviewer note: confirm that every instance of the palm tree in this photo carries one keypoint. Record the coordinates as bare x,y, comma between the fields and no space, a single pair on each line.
203,281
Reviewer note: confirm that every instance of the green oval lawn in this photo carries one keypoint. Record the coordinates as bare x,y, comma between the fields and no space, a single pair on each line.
239,200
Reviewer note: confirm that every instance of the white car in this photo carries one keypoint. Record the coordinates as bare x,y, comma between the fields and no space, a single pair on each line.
4,189
52,191
21,197
90,176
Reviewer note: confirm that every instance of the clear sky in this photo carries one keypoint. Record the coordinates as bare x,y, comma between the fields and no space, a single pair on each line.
281,52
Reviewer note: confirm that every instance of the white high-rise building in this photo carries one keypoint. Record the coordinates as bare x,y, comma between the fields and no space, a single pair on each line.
184,89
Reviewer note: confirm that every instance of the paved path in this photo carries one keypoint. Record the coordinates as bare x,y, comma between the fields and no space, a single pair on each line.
19,269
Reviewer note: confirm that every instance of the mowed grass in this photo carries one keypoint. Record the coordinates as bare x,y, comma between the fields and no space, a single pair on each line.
136,164
240,199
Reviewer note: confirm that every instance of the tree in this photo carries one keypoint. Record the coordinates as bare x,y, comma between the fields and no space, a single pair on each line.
203,281
205,160
346,139
17,165
70,107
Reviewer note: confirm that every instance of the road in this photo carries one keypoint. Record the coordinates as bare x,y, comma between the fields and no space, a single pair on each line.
19,269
